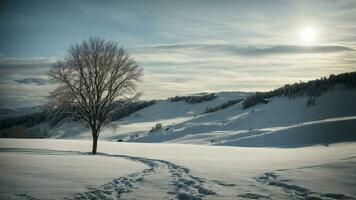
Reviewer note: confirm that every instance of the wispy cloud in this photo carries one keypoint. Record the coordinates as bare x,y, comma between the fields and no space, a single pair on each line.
24,81
242,50
36,81
184,46
186,68
189,68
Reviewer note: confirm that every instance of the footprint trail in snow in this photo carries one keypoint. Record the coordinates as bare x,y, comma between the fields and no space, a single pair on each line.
166,179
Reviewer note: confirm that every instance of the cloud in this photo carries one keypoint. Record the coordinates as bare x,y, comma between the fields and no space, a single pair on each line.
14,94
20,68
24,81
36,81
20,61
180,69
245,50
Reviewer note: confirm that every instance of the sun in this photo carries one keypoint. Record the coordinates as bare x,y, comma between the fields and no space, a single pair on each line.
308,34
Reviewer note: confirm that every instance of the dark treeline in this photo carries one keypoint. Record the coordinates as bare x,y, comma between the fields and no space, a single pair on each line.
222,106
192,99
311,88
119,111
122,110
27,120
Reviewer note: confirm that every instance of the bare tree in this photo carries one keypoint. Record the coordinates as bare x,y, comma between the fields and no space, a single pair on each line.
91,77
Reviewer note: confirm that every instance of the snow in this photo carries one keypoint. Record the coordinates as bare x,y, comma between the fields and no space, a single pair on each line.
163,111
45,174
279,150
283,122
211,172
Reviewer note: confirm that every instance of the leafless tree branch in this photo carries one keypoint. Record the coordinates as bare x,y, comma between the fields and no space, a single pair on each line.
91,77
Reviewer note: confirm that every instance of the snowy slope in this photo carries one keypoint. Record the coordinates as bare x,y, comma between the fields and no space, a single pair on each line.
63,168
163,111
283,122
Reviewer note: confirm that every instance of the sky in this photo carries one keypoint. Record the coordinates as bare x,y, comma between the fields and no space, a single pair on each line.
183,46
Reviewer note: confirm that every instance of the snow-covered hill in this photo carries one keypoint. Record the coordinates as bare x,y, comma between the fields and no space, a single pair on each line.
139,123
166,163
282,122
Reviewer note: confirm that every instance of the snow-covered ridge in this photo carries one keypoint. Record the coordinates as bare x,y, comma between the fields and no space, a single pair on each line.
282,122
139,123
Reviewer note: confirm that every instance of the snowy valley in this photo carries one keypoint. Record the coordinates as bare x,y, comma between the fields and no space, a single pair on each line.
278,149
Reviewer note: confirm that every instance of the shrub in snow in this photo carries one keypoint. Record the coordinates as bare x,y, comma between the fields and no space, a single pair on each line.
133,136
156,127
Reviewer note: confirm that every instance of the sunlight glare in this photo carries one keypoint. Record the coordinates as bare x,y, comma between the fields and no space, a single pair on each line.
308,34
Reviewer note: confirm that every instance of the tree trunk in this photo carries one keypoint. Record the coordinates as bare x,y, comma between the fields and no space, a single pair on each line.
95,142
